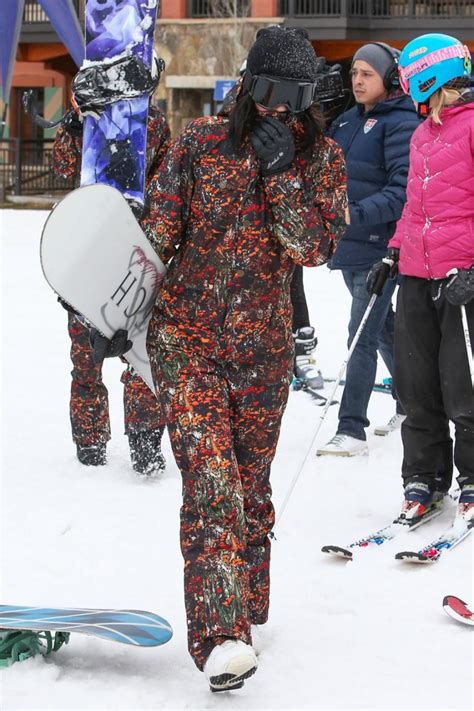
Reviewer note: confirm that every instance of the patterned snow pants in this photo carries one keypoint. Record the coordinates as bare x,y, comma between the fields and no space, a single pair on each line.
89,404
224,424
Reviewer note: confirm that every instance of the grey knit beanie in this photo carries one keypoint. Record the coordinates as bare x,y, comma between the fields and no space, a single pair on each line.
283,52
378,57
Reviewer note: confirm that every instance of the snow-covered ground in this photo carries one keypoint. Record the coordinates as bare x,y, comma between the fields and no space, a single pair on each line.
364,635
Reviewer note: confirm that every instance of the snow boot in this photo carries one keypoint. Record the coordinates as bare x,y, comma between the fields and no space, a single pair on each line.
305,363
145,452
229,664
466,503
94,455
393,424
342,445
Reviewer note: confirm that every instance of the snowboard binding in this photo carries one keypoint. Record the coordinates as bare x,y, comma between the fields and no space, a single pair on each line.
18,645
96,87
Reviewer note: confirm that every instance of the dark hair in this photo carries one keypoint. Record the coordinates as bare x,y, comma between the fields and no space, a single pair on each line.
244,115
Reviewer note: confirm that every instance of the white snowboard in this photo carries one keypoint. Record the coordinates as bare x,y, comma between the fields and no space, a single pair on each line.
96,257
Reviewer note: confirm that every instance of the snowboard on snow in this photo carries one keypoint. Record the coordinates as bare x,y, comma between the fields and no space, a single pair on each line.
137,628
114,141
107,270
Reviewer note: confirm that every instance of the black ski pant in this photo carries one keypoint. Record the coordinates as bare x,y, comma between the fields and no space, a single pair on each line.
433,383
298,300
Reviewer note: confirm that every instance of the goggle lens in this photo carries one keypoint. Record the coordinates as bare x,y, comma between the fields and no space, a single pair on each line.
269,92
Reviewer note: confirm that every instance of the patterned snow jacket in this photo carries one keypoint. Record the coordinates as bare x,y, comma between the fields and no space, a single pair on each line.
436,231
67,149
376,148
232,237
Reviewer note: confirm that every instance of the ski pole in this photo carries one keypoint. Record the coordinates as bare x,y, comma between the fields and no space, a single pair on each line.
467,339
362,324
465,328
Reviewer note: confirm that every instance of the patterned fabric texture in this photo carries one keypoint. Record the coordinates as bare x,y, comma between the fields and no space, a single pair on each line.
89,405
221,350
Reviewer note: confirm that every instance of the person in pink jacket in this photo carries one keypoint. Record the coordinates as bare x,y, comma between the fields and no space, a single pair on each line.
433,250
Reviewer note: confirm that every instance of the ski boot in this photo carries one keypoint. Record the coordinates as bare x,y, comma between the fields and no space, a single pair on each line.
466,504
94,455
420,498
145,452
306,371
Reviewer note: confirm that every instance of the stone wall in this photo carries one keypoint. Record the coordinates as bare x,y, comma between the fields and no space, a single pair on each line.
197,53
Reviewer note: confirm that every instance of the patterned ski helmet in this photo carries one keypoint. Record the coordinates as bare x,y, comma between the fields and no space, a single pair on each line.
430,61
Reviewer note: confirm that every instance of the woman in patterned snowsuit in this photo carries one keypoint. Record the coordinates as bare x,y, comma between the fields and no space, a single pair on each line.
231,219
89,405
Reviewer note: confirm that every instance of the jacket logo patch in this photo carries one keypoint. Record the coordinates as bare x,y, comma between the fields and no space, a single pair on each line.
369,124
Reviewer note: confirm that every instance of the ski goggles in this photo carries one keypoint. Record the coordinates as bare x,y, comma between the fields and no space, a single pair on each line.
455,51
270,92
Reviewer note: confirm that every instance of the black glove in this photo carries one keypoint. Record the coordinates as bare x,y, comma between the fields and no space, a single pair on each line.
272,141
460,288
73,124
109,347
381,271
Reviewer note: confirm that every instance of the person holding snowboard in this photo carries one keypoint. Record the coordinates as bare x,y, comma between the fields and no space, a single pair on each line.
375,136
433,248
239,200
303,333
89,408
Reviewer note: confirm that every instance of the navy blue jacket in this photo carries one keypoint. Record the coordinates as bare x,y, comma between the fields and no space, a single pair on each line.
376,148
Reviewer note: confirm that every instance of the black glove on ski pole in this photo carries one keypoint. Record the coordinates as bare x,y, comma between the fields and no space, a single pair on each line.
104,347
460,291
381,271
272,141
460,288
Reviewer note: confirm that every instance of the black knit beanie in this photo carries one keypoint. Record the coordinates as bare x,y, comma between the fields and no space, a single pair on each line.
283,52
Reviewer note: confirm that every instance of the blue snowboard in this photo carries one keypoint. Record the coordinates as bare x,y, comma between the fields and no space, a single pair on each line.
114,145
135,627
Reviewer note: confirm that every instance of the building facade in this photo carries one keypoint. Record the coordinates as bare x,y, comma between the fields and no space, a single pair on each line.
205,41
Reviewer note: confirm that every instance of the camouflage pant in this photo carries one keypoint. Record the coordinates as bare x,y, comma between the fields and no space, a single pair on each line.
89,404
224,424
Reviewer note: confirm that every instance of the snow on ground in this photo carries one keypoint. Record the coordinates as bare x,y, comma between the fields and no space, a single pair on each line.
368,634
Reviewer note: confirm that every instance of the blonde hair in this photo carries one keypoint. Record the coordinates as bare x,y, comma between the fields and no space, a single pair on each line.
440,99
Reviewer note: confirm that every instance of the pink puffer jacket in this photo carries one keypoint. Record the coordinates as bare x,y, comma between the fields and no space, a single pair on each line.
436,230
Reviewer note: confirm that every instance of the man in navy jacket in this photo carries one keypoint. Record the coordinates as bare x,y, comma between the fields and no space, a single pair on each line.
375,136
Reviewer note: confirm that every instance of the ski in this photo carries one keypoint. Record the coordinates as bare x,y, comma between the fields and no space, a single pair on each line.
301,385
401,524
458,610
384,387
431,553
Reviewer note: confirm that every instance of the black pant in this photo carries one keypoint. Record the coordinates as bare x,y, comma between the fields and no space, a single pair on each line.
433,383
298,300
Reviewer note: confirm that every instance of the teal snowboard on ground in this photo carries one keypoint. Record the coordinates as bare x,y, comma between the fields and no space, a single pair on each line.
135,627
27,631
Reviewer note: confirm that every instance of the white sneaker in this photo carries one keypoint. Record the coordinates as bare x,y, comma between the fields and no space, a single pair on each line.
393,424
342,445
229,664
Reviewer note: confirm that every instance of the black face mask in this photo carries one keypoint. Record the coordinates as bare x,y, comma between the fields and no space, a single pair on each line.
270,92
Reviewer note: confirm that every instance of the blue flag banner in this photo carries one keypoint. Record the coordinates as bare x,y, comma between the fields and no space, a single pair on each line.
62,16
11,15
